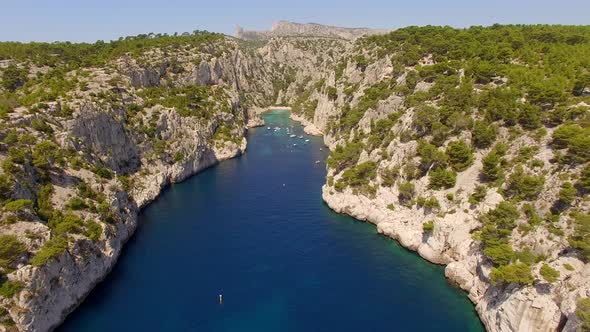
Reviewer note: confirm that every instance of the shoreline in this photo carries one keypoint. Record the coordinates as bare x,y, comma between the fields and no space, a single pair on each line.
453,283
141,204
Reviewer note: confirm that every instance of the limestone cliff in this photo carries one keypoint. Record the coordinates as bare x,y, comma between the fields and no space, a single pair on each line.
125,129
291,29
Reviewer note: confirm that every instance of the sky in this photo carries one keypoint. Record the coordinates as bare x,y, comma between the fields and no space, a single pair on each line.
82,20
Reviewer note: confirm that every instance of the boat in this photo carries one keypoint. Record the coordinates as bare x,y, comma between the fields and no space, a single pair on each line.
317,161
294,144
307,140
292,135
268,128
300,136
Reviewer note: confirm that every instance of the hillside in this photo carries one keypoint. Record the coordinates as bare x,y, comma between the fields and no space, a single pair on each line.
291,29
468,146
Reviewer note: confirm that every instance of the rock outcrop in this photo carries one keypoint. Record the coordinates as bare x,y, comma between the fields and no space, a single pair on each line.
156,118
291,29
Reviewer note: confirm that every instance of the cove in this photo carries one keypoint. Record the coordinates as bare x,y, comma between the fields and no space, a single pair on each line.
255,229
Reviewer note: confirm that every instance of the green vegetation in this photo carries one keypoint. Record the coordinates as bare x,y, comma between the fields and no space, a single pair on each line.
478,195
344,157
389,176
428,226
13,77
584,182
484,134
50,249
429,204
567,194
103,172
442,178
406,192
580,239
19,205
574,138
497,229
548,273
518,273
583,313
188,100
9,288
460,155
523,186
10,250
358,177
99,53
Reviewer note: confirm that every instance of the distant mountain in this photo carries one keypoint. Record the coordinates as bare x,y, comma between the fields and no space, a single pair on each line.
284,28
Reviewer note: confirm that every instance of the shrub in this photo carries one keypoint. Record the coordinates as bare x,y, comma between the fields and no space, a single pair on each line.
491,170
524,186
44,206
548,273
568,267
501,254
478,195
580,239
567,194
42,126
583,313
18,205
518,273
484,134
460,155
530,116
584,181
389,176
428,226
45,154
576,139
344,157
430,156
103,172
360,174
9,288
76,203
65,224
498,225
93,230
406,192
10,250
50,249
442,178
531,214
428,203
6,184
332,93
13,78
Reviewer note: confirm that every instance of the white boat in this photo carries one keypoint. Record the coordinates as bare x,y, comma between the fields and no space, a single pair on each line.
294,144
317,161
301,137
292,135
268,128
307,140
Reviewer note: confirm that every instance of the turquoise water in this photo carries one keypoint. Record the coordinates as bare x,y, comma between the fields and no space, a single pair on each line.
256,230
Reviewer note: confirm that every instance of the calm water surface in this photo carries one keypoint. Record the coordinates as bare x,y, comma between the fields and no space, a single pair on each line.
256,230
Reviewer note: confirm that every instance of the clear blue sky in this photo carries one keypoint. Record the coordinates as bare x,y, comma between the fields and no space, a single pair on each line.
83,20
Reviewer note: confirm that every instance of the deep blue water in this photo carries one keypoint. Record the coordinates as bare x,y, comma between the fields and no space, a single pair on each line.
282,259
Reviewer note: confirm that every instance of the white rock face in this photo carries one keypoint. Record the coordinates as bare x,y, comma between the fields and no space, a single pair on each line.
539,307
